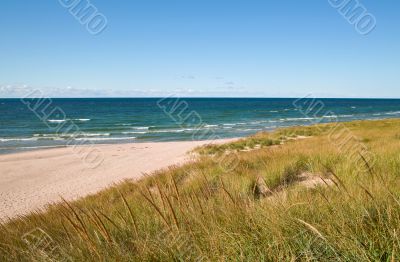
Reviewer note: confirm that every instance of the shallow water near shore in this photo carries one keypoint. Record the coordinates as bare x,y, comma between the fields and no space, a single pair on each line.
127,120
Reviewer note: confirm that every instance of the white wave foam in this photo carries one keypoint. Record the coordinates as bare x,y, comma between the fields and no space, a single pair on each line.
18,139
93,134
250,129
172,130
141,127
393,113
82,119
297,118
56,120
134,132
34,147
66,136
103,138
43,135
49,138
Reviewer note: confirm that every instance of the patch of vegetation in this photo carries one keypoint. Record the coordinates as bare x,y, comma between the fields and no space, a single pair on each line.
291,173
259,140
303,131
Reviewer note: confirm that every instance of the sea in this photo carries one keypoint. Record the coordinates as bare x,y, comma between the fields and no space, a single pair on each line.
32,124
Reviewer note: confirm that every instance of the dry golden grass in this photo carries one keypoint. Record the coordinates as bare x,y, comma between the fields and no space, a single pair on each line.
208,210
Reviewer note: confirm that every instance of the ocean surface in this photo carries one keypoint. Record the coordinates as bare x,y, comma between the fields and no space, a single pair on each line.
35,124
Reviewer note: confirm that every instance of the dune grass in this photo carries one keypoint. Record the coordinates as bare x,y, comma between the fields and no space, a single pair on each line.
202,211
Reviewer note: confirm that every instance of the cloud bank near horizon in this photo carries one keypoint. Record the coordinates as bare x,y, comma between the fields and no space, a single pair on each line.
19,91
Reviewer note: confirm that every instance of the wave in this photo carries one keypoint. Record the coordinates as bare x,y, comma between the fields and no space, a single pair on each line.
393,113
70,136
18,139
208,126
155,131
297,118
82,119
43,135
56,120
134,132
53,138
64,120
250,129
34,147
103,138
94,134
171,131
174,130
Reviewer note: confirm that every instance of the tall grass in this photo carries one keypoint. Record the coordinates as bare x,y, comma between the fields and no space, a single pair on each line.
200,212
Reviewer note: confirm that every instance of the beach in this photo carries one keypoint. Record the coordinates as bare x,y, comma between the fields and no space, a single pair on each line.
31,180
200,131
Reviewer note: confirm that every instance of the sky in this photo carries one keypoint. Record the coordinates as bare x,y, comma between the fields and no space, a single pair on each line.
241,48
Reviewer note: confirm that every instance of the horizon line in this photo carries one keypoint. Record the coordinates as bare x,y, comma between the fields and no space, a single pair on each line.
210,97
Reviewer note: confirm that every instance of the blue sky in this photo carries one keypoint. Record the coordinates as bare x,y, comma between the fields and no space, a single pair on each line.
200,48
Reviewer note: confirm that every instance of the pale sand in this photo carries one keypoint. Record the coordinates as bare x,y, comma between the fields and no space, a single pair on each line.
31,180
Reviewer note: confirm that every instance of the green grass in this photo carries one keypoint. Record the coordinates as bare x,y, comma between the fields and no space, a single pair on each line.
257,141
201,210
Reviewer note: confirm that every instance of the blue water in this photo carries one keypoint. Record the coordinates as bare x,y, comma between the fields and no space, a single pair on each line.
63,122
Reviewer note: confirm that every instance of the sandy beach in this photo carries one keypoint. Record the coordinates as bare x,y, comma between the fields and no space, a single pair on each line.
31,180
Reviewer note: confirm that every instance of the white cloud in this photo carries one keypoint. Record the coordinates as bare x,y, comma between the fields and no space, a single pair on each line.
17,91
